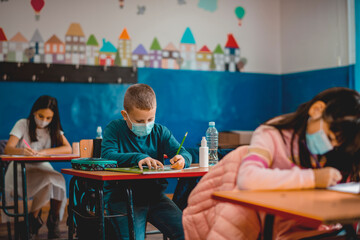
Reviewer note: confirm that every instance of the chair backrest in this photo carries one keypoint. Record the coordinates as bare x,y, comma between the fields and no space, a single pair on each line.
90,148
2,145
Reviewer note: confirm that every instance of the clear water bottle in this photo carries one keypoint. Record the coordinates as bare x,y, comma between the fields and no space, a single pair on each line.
98,133
212,142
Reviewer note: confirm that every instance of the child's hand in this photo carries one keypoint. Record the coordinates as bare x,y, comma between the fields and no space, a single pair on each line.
326,177
177,162
29,152
151,163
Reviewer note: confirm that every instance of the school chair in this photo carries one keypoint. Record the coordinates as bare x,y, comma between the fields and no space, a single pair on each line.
3,167
92,148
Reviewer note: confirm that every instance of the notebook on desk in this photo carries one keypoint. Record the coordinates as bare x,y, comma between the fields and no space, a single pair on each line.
146,170
351,187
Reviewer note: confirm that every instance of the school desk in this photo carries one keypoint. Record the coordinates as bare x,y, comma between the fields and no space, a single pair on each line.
96,180
313,207
19,159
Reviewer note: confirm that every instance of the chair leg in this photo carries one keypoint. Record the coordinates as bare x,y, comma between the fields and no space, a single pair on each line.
9,230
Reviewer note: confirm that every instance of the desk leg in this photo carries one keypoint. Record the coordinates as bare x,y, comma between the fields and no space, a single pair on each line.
70,208
25,204
350,232
268,227
100,208
16,203
130,213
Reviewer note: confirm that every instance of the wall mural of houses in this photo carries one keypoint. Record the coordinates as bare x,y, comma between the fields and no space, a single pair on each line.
78,49
3,45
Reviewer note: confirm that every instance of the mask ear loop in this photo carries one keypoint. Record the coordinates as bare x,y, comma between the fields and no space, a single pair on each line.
128,117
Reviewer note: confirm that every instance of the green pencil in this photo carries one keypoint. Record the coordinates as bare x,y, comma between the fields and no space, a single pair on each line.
181,143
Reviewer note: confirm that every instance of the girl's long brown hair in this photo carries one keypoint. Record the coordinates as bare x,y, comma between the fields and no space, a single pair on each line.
46,102
342,112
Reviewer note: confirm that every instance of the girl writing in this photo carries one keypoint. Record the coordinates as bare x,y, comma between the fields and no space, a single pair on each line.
40,134
297,150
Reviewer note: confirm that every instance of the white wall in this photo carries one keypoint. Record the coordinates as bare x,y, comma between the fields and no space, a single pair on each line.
277,36
314,35
258,38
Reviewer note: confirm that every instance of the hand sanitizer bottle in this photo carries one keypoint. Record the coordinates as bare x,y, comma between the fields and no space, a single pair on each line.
204,153
98,133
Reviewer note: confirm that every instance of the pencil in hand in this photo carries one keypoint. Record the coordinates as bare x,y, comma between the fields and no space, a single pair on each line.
181,143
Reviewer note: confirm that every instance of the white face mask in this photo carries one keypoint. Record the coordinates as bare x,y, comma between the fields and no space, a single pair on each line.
41,123
141,129
318,142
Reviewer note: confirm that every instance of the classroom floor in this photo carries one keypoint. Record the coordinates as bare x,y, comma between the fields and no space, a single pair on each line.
64,230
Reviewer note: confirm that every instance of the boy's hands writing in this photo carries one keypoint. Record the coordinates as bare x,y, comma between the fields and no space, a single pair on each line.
326,177
177,162
151,163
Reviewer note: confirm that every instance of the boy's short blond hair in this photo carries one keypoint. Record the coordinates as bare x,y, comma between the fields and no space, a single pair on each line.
139,96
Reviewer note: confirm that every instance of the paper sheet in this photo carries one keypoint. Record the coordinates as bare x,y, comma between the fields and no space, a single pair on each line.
352,187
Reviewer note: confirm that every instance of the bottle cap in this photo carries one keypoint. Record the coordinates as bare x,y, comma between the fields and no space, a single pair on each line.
99,129
211,124
203,142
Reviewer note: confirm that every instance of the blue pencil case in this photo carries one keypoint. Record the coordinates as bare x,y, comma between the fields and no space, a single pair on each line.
92,164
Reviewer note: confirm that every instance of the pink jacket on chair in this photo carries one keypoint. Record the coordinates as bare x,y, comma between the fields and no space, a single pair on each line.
206,218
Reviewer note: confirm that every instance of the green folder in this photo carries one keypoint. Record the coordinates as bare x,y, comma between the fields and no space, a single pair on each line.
146,170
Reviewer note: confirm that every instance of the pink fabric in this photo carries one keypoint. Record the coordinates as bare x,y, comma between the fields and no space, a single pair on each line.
256,158
206,218
281,173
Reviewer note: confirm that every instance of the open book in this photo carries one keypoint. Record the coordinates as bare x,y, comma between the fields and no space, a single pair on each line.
145,170
351,187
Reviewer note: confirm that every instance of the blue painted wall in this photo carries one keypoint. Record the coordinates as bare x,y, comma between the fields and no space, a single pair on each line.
303,86
186,101
357,44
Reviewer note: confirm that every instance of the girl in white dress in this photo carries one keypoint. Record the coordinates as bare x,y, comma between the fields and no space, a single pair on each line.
43,132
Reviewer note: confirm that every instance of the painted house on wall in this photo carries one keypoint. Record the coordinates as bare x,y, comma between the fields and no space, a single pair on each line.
92,51
107,54
17,47
37,46
54,50
3,45
170,57
124,46
140,57
155,54
232,54
203,58
188,50
219,58
75,45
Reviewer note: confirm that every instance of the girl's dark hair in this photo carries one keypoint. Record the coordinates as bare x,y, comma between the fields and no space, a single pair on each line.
46,102
342,112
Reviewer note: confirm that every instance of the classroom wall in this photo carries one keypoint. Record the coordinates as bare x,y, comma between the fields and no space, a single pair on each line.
209,21
315,35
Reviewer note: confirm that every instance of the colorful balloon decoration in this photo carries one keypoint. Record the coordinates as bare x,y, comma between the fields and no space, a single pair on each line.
37,5
240,12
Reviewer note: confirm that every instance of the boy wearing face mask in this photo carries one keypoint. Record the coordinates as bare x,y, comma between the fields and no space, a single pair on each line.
136,141
43,133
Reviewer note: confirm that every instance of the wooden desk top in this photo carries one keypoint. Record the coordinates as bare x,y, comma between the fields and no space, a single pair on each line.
314,206
108,175
45,158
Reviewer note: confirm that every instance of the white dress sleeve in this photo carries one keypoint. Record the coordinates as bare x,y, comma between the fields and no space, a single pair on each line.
20,128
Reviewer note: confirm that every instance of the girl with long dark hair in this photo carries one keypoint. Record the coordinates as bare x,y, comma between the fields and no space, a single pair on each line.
43,133
315,147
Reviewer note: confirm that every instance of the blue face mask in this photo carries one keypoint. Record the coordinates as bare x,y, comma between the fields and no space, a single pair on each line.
318,143
141,129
